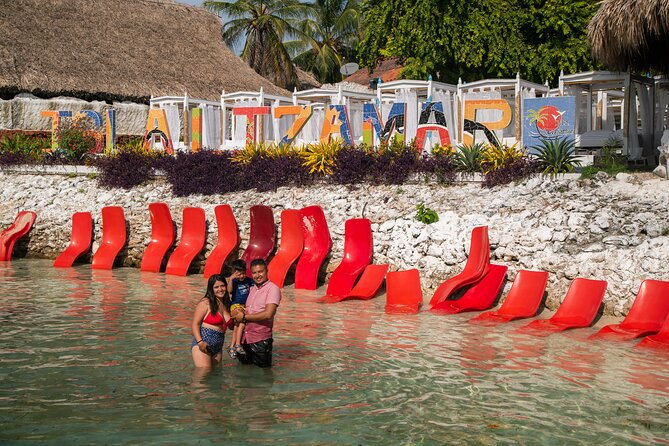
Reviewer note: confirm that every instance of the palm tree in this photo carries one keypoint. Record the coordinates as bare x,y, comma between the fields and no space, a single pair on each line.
262,25
329,35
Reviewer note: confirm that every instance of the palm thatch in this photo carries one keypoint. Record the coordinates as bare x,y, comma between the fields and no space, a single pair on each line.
631,33
117,50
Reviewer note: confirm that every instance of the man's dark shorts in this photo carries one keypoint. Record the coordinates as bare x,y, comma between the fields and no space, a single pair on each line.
258,353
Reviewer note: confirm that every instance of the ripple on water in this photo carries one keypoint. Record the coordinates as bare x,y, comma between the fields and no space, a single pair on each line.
90,356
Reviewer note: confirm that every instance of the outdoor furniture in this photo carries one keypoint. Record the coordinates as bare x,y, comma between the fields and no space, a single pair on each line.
523,300
479,296
474,270
113,237
80,240
403,292
367,286
648,313
193,235
228,240
292,242
162,237
317,244
578,309
20,227
262,236
358,249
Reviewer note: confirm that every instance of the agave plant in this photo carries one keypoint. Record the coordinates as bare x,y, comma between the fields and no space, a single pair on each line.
556,156
468,157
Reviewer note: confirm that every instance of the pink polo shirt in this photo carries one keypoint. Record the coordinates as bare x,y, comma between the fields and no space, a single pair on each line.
259,297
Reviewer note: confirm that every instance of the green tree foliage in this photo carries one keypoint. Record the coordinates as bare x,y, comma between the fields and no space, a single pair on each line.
328,36
263,25
476,39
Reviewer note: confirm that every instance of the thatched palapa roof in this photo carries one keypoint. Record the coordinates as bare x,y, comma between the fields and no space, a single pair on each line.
631,33
117,50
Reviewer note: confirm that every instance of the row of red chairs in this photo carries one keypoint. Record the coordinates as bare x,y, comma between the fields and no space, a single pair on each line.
306,239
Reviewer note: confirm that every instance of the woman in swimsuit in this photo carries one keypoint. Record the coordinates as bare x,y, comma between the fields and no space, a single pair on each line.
209,323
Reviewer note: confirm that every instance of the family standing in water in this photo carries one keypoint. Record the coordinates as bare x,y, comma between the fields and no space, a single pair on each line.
250,311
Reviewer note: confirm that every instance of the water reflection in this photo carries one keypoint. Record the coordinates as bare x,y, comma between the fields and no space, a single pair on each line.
108,351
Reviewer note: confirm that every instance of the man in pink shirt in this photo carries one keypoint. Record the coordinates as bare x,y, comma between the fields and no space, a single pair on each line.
261,305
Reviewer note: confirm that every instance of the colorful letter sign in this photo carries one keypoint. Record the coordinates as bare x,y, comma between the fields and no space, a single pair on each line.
485,104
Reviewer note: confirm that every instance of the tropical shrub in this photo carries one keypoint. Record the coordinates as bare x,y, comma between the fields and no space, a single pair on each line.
494,157
353,165
206,172
20,148
439,166
320,158
265,173
127,168
75,140
514,170
556,156
425,215
467,158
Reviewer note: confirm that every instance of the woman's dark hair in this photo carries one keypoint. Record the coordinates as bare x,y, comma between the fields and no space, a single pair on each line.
211,297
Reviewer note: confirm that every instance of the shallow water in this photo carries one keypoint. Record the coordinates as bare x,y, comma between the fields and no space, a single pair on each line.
103,357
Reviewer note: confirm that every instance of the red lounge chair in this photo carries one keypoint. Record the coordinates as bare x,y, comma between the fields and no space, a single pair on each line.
474,270
403,292
317,244
162,237
20,227
479,296
113,237
371,280
262,236
357,255
292,242
228,240
659,340
648,313
80,241
522,301
578,309
193,235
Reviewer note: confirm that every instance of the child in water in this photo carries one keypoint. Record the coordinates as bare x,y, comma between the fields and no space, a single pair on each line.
239,286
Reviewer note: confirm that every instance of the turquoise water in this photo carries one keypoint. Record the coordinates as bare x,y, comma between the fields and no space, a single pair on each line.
102,357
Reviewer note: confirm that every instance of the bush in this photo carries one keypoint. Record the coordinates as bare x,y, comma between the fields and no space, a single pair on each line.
320,157
515,170
20,148
206,172
395,166
494,157
265,173
441,166
127,168
353,165
75,141
556,156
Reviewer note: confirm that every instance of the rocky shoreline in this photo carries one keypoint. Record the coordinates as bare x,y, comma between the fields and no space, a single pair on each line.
611,229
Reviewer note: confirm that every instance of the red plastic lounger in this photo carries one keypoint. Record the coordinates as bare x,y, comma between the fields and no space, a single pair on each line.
80,241
648,313
578,309
228,240
162,237
479,296
193,235
474,270
357,255
20,227
369,284
292,242
113,237
317,244
659,340
522,301
262,236
403,291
